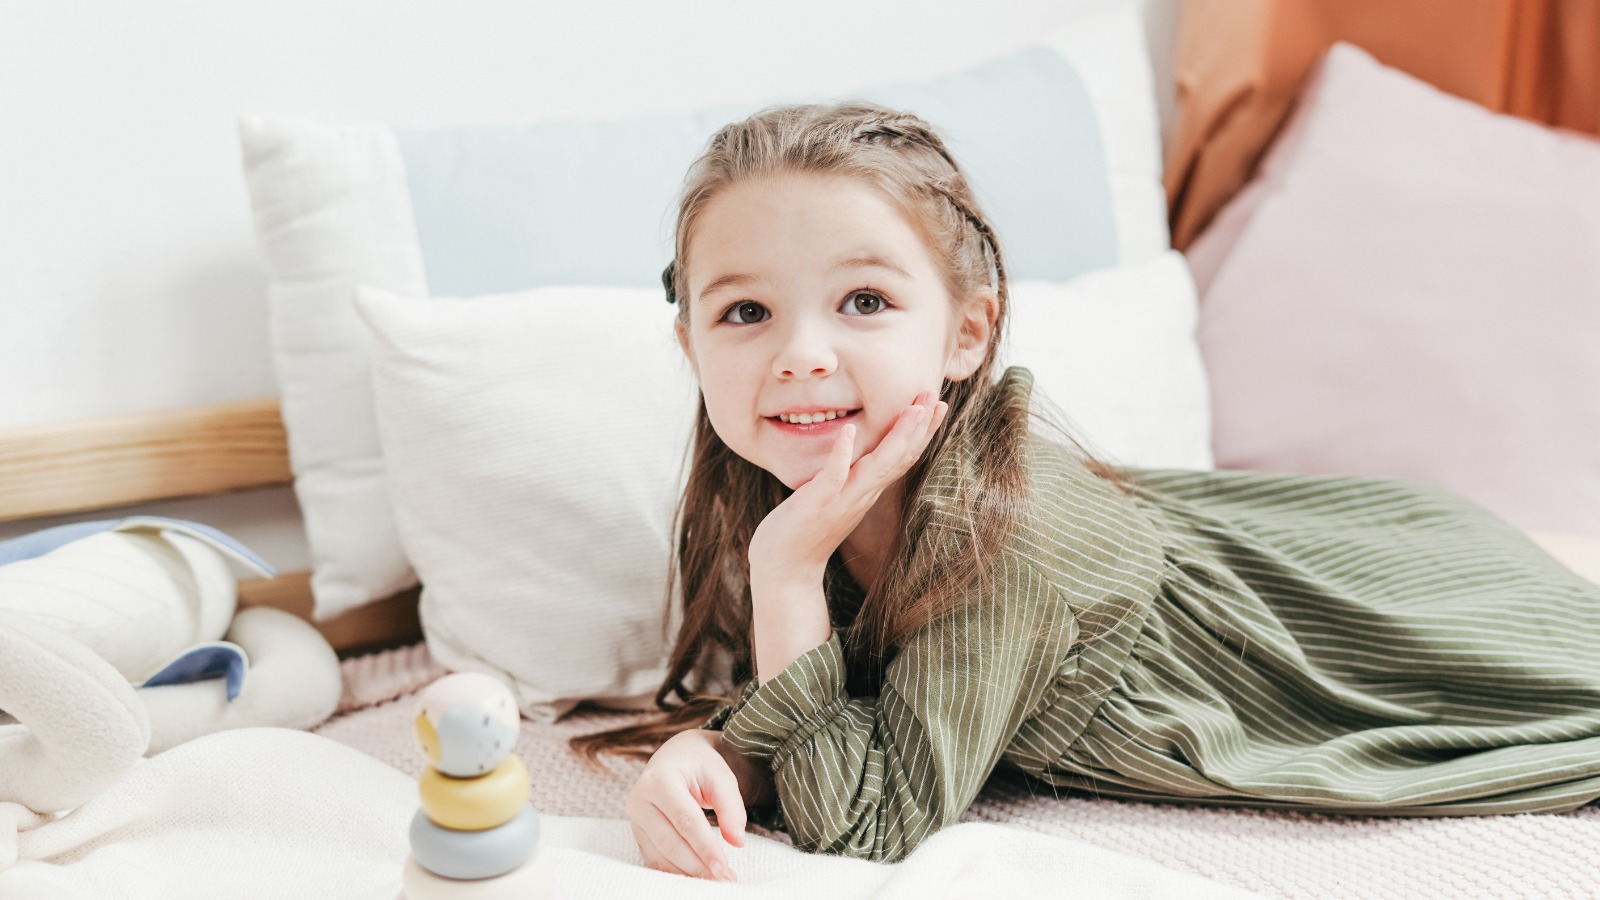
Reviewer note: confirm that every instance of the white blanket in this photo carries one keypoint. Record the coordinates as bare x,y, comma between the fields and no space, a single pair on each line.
271,812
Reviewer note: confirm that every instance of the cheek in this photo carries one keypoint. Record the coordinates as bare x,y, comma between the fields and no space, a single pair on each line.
727,421
724,379
719,419
870,433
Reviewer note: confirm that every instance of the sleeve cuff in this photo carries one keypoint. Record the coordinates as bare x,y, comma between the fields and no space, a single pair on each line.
720,717
789,708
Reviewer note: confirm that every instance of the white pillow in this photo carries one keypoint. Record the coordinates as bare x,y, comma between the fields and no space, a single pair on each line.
1116,351
534,444
332,211
337,206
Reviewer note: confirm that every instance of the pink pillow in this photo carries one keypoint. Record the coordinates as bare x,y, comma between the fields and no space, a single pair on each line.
1410,288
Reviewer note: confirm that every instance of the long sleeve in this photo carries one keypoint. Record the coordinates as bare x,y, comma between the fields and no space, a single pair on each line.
741,697
871,777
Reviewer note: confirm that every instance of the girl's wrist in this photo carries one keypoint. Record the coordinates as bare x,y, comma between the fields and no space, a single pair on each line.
788,619
784,582
787,573
755,779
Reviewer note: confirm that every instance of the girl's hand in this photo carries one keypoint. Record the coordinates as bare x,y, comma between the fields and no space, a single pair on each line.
804,530
686,776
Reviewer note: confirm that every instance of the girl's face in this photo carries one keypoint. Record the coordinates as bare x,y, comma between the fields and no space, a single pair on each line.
811,293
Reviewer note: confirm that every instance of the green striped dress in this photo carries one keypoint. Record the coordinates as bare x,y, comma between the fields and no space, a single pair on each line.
1339,644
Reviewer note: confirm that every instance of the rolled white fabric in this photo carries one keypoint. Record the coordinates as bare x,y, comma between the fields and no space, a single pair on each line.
80,724
294,682
138,592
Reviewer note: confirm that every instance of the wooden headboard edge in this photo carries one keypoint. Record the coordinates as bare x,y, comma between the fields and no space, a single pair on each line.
85,465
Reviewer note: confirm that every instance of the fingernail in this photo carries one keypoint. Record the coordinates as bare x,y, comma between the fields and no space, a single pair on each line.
723,873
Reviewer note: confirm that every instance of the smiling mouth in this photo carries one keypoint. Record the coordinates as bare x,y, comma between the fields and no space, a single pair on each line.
814,417
811,427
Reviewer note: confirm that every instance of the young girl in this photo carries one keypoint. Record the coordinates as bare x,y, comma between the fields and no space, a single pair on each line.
911,585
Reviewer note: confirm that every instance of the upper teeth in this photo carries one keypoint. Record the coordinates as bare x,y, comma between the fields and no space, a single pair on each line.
808,418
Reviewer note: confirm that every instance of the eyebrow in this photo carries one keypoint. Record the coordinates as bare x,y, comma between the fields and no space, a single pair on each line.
854,262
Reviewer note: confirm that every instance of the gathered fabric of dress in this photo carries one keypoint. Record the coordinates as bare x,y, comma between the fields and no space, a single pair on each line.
1326,643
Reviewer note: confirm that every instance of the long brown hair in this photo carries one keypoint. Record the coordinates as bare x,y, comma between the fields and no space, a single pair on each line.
725,497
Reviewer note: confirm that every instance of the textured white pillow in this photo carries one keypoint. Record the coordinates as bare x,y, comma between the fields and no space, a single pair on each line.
333,209
1116,351
535,444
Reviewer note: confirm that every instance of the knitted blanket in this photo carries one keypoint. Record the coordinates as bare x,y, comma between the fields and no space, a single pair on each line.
1270,852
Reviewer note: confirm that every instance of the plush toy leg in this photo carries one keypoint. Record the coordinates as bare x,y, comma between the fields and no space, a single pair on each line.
293,682
80,724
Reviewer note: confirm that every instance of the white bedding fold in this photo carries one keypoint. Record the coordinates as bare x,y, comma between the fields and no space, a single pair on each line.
270,812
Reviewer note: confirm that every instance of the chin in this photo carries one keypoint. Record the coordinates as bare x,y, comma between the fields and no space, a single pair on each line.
793,477
786,476
791,472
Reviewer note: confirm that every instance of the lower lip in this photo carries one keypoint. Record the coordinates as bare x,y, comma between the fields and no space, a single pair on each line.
827,427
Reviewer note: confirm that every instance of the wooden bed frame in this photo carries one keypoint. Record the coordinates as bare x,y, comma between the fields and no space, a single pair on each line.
82,466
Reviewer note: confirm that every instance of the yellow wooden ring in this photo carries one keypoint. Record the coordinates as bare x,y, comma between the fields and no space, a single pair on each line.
428,738
474,804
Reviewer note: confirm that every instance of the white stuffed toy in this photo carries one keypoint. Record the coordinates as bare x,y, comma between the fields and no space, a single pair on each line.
112,635
145,593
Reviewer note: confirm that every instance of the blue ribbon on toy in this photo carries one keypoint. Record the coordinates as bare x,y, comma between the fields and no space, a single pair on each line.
40,542
202,661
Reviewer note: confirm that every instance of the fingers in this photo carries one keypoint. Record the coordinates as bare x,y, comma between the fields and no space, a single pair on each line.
687,841
667,806
839,460
722,796
907,437
936,407
918,422
927,421
652,856
667,850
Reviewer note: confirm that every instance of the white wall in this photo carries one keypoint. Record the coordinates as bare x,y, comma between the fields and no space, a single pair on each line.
129,279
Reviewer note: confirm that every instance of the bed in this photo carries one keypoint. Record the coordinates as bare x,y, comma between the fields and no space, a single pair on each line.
1108,847
417,426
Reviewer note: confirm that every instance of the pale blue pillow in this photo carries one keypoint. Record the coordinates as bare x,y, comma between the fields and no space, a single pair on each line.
504,208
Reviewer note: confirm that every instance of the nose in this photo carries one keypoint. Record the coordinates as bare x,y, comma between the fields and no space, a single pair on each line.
803,352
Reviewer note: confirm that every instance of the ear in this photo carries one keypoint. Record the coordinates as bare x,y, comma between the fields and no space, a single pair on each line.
683,341
972,335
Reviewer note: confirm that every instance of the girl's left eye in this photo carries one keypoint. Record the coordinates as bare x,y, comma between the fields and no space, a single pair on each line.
872,302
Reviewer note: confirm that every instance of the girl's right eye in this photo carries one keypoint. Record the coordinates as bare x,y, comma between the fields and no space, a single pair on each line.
738,311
